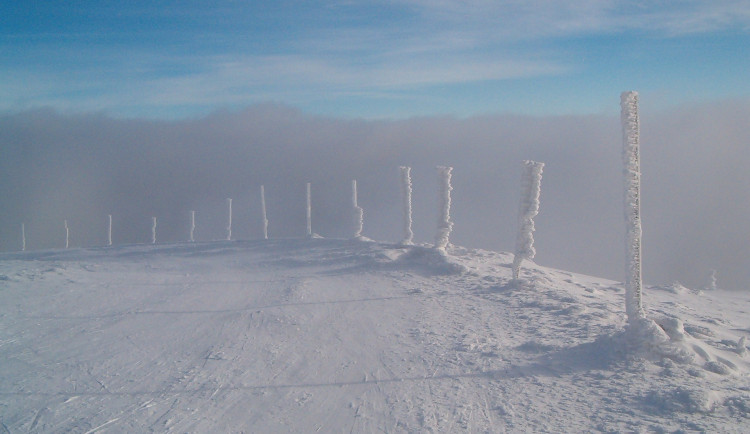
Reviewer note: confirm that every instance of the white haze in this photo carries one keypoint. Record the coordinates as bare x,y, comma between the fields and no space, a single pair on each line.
696,186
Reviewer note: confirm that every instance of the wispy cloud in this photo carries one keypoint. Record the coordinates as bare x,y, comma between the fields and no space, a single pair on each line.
230,80
300,52
546,18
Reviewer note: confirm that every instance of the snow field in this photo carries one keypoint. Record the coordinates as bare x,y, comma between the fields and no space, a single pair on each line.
323,335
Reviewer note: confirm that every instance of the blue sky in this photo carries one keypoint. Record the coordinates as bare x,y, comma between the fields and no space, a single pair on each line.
372,59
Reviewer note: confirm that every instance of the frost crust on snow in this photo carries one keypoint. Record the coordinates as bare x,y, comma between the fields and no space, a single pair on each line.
263,216
445,225
357,212
406,191
684,400
528,209
632,192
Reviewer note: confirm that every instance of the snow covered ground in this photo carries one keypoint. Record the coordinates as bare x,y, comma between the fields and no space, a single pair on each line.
321,335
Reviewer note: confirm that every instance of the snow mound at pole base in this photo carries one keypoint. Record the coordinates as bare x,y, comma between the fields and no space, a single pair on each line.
665,337
434,260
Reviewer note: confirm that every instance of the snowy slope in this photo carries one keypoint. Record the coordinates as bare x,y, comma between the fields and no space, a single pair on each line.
320,335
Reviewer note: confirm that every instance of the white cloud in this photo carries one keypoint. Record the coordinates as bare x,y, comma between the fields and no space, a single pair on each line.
546,18
433,43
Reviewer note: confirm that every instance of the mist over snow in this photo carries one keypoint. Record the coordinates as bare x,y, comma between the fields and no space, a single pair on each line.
695,182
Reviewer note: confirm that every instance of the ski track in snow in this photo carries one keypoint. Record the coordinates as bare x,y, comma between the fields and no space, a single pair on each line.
320,335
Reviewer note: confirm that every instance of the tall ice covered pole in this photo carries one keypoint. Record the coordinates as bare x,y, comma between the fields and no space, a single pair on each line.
229,221
264,218
528,209
406,198
632,192
192,226
308,212
445,225
357,212
109,229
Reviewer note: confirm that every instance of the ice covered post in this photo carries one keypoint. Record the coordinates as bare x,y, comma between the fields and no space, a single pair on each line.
109,230
23,237
153,230
445,225
192,226
229,220
67,234
529,207
632,194
308,212
357,212
712,281
264,219
406,200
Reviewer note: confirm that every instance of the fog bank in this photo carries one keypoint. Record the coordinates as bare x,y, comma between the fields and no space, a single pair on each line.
695,184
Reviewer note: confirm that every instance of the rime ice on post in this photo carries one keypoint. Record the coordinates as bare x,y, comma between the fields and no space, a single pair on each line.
229,222
406,198
308,212
192,226
109,230
67,234
712,281
528,209
23,237
153,230
264,219
357,212
445,225
632,192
